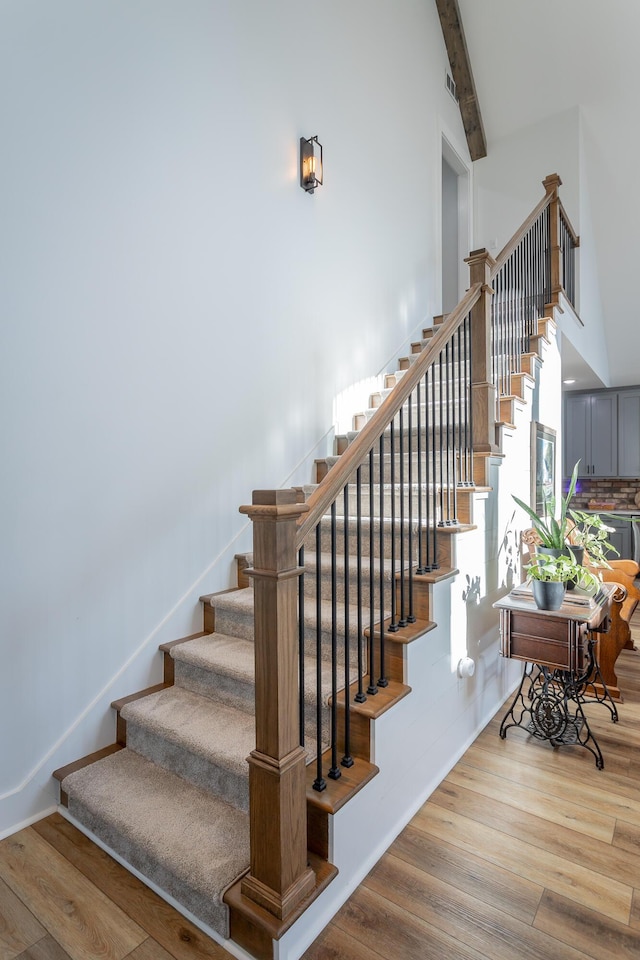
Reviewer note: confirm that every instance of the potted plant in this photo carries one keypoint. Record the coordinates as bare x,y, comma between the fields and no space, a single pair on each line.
574,530
549,576
553,533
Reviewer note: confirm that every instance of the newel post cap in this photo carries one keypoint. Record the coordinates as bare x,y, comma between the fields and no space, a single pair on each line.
274,505
552,182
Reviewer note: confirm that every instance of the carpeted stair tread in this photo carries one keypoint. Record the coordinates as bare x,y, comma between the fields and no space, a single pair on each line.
200,739
187,841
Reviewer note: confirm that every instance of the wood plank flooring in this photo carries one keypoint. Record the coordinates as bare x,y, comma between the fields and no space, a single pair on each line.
522,853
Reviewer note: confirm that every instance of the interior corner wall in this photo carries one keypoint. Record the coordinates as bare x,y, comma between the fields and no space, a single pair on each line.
508,181
590,340
508,184
179,316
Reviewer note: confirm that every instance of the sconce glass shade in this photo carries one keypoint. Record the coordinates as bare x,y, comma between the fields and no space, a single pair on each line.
310,164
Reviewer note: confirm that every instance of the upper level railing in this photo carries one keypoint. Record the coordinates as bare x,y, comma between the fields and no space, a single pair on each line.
338,580
537,264
569,242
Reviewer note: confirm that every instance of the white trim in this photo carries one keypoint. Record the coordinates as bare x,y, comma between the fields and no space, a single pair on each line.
16,827
455,158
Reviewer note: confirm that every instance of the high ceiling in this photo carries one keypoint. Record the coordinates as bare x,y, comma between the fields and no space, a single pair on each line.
532,59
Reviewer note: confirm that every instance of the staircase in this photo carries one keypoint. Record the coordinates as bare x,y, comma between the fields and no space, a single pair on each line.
172,797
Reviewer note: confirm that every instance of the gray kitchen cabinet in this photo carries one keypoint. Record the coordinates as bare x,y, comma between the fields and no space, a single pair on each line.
621,538
629,433
591,434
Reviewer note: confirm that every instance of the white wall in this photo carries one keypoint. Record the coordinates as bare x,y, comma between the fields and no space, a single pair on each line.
508,184
178,316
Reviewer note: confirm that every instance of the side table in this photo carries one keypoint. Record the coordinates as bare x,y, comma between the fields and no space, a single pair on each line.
561,671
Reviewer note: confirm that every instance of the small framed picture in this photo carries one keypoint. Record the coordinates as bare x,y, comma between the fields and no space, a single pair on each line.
543,467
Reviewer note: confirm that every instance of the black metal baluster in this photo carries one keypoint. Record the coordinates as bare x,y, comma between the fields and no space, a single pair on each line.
420,567
464,438
393,625
335,773
382,680
372,688
467,400
402,622
301,691
429,413
455,429
441,424
411,617
508,319
470,397
451,431
433,561
495,313
319,783
347,759
538,275
360,695
468,403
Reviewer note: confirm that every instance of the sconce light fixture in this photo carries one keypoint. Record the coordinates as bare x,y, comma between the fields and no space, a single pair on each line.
310,164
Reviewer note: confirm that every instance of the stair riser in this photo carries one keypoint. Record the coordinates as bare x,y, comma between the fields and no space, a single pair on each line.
401,501
223,689
225,783
385,473
310,585
443,541
426,409
440,431
243,626
401,550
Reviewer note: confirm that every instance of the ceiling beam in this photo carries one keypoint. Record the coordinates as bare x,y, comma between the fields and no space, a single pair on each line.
451,23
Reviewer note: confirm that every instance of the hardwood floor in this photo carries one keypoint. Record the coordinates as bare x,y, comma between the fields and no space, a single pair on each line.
522,853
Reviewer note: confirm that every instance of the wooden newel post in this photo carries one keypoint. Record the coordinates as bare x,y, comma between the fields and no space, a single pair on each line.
279,876
551,185
483,391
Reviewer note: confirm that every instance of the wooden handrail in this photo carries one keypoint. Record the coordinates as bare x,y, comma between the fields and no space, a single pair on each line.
509,248
335,481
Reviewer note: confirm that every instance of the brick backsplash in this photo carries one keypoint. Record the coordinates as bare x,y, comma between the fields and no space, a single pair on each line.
620,492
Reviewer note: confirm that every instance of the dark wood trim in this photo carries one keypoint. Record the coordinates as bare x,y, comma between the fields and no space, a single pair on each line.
254,928
279,878
454,40
63,772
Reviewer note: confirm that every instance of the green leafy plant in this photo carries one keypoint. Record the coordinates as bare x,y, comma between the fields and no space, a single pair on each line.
553,532
592,533
561,569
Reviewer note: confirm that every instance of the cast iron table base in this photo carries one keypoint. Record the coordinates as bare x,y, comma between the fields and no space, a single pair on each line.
551,707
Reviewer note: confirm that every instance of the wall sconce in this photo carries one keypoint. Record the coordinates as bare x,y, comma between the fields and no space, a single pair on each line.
310,164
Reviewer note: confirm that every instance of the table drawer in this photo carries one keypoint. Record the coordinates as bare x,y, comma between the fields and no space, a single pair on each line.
553,642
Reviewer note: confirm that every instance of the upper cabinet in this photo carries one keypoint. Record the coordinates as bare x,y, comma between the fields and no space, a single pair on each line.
591,434
629,433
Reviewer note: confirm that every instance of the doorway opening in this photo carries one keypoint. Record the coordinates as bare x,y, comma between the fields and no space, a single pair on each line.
456,222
